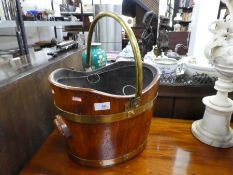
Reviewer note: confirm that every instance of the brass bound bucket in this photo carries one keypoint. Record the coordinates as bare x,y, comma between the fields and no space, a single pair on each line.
103,122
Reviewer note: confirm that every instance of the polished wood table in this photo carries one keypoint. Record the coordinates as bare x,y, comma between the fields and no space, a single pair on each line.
171,149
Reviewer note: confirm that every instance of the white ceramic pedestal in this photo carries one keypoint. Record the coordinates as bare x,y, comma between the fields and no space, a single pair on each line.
214,129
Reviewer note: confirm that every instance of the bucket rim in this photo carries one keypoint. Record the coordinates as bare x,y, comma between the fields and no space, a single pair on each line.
155,80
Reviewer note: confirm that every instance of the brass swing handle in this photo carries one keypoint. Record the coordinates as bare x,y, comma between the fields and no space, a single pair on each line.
133,42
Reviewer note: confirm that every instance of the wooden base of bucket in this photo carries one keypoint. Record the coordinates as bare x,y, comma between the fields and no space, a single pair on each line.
109,162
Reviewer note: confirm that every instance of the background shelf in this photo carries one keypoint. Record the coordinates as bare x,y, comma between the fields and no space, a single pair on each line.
8,24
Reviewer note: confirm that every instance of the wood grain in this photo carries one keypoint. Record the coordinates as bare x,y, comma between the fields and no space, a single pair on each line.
171,149
182,102
94,142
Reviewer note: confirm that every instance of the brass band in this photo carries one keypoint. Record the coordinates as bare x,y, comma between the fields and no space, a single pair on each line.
93,119
109,162
133,42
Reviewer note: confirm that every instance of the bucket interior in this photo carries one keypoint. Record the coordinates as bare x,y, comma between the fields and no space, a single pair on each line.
118,78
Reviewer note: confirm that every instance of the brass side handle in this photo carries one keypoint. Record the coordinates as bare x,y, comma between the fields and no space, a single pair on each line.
62,127
133,42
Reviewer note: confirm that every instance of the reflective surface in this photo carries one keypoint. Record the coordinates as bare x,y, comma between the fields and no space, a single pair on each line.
15,68
171,150
27,111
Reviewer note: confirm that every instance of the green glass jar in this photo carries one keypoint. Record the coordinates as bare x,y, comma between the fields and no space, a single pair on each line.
98,57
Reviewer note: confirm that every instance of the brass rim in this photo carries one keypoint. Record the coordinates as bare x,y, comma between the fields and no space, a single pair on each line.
108,162
93,119
133,42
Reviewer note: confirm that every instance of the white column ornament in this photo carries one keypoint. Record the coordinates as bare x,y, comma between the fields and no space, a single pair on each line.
214,129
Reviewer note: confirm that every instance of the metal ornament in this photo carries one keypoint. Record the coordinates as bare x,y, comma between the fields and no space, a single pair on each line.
110,118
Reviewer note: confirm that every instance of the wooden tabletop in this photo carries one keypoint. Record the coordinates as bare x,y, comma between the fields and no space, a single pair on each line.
171,149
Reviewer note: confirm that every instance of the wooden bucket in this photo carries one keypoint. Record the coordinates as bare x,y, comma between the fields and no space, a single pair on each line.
103,122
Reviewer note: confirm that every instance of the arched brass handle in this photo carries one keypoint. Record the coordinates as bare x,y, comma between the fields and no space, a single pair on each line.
61,126
133,42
